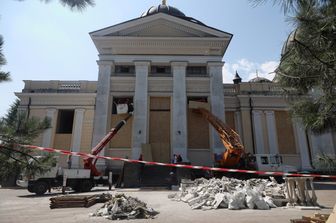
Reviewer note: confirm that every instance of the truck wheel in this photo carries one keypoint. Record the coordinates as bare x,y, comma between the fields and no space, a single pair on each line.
86,185
30,188
40,187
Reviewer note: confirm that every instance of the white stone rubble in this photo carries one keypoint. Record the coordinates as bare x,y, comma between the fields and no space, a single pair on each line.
231,193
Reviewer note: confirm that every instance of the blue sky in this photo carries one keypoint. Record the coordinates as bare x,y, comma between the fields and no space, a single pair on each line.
51,42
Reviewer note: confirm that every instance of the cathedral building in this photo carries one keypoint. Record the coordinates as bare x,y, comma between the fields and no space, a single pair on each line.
160,62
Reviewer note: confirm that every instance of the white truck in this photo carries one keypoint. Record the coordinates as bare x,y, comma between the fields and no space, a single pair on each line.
80,180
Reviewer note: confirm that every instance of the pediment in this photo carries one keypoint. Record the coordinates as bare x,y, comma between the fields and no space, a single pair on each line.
160,25
161,28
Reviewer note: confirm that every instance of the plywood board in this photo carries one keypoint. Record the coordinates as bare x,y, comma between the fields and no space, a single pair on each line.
285,133
197,104
159,128
123,139
198,131
146,151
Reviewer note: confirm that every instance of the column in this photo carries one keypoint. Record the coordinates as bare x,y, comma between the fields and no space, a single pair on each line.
258,132
139,132
47,134
179,130
238,124
323,143
77,136
217,103
272,132
301,141
100,125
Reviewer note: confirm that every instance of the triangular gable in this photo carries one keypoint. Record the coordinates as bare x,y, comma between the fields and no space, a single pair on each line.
160,25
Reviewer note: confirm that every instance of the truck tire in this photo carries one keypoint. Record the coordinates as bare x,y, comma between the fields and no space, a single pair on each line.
40,187
86,185
30,189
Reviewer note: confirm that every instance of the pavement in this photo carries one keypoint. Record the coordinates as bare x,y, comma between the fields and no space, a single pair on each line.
18,205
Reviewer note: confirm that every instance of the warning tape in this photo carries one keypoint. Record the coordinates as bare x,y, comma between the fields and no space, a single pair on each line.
81,154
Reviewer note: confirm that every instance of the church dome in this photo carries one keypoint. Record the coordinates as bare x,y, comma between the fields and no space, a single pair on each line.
260,80
170,10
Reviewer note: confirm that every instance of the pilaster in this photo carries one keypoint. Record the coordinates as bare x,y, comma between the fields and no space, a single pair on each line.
258,132
48,133
77,136
139,132
272,132
179,130
100,125
302,143
217,102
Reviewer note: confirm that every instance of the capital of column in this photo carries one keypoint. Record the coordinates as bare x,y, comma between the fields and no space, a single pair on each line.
141,63
256,112
179,63
215,64
105,62
270,113
79,110
51,109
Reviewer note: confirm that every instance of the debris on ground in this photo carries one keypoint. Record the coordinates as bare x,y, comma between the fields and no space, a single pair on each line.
231,193
316,218
72,201
121,207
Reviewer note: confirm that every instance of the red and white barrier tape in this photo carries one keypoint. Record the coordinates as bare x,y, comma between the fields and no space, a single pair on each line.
65,152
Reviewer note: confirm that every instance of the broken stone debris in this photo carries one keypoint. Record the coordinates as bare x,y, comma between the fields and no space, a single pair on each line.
231,193
125,207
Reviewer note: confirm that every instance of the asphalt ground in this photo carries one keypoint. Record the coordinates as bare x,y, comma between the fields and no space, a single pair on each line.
18,205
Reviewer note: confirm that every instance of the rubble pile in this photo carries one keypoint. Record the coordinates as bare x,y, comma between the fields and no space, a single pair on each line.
231,193
125,207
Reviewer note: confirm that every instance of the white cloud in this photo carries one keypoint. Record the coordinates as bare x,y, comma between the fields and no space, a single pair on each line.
247,70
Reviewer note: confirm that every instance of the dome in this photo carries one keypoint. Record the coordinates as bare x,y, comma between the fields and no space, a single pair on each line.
170,10
260,80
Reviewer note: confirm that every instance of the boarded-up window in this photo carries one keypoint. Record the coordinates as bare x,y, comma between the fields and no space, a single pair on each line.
198,128
285,133
230,119
159,128
123,139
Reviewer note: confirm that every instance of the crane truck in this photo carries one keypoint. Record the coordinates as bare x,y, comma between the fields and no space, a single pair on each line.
80,180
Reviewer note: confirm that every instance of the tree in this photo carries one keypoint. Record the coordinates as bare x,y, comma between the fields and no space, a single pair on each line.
74,4
17,129
4,76
308,62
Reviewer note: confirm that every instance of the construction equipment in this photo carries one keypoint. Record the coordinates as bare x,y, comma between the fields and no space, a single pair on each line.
90,163
81,180
231,140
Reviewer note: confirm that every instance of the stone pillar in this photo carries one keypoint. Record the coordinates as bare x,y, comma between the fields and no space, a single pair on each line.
216,103
323,143
101,125
179,130
302,143
238,124
258,132
47,134
77,136
139,132
272,132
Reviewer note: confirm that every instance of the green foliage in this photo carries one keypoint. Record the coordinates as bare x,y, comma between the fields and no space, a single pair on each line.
325,163
308,62
73,4
4,76
17,129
